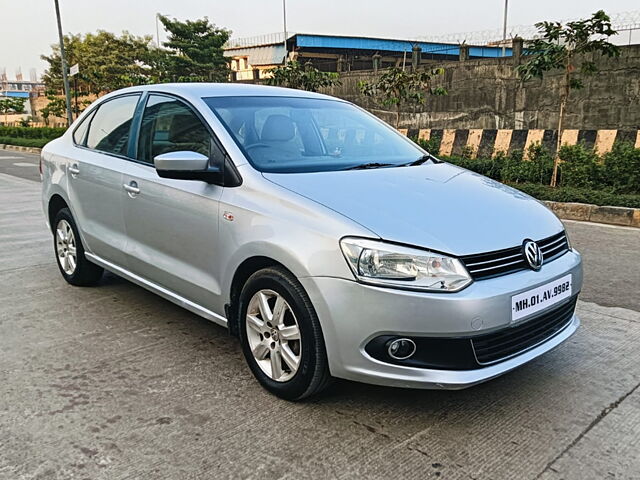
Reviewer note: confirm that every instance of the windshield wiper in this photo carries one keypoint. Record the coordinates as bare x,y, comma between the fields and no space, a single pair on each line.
424,158
366,166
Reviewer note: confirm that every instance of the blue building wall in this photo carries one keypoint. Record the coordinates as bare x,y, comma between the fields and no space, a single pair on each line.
12,93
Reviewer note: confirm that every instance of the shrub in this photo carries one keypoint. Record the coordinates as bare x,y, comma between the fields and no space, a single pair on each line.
580,167
25,142
512,168
25,122
489,167
432,145
538,168
584,177
621,169
580,195
48,133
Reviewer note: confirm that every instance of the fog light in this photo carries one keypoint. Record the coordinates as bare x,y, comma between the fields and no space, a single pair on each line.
401,348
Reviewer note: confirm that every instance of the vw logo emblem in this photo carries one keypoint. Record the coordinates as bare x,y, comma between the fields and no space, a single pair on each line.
532,254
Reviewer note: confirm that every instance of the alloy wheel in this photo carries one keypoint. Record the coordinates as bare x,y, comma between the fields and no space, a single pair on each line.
274,335
66,247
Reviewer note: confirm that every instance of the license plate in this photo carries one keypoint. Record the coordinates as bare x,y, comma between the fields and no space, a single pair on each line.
539,298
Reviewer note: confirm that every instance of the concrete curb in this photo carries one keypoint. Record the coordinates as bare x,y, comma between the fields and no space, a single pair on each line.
628,217
16,148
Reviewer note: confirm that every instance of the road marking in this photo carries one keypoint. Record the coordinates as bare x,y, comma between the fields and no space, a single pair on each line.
12,180
11,158
25,164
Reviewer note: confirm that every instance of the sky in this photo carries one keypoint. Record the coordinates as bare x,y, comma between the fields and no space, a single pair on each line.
28,27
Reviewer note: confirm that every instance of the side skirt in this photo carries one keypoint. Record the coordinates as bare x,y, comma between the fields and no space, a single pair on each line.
157,289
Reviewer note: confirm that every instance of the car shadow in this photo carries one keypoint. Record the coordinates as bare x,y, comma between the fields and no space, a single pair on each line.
522,385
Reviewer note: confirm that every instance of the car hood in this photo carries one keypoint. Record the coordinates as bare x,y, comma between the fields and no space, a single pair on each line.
437,206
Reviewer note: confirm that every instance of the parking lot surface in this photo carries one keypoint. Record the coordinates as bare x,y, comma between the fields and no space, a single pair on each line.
113,382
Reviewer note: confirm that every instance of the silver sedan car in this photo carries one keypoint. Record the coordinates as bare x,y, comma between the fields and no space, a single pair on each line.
330,244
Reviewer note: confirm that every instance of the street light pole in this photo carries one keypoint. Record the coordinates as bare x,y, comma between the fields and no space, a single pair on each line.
158,29
65,78
504,28
284,18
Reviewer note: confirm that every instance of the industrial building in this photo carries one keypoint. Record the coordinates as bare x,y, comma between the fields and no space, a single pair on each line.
252,57
20,88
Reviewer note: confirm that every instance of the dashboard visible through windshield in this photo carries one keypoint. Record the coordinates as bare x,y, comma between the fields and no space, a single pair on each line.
295,134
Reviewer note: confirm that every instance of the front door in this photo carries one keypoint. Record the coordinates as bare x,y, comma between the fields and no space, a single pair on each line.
172,225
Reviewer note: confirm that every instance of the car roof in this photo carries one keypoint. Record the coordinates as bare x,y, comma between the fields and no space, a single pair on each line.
203,90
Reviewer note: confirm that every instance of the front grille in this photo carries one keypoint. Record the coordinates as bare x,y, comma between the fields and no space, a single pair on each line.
503,262
502,344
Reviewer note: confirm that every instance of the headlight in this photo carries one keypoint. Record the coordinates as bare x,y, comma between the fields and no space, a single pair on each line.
566,234
386,264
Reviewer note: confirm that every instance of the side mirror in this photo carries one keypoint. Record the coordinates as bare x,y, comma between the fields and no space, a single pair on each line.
181,162
187,165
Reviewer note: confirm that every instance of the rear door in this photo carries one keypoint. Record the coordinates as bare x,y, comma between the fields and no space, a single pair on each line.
95,177
172,225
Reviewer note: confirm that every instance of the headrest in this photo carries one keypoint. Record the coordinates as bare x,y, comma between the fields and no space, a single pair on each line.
183,125
278,128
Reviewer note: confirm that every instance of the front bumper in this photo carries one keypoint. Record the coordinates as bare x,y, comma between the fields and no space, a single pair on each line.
352,314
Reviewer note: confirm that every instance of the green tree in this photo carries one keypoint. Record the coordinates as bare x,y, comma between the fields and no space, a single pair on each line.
11,105
196,48
107,62
396,87
56,107
302,77
567,47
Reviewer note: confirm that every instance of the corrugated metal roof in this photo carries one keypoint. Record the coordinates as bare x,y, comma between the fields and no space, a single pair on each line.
390,45
274,54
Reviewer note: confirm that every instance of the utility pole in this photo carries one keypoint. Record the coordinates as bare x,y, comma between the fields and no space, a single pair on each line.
157,30
284,17
65,79
504,28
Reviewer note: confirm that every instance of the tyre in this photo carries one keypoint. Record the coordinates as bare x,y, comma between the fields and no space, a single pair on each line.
281,336
73,265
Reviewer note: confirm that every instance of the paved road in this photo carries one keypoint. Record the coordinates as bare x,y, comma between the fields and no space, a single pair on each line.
612,263
113,382
23,165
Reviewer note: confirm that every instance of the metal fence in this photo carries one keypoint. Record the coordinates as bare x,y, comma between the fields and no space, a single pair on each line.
626,23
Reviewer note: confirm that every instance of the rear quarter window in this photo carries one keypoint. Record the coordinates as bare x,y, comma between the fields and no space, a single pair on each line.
80,132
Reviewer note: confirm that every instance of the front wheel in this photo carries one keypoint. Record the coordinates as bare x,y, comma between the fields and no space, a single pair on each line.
73,265
281,336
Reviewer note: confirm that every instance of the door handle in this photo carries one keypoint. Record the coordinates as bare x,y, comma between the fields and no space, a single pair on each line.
131,188
74,170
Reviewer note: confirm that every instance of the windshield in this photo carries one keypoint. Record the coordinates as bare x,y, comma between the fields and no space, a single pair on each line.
292,135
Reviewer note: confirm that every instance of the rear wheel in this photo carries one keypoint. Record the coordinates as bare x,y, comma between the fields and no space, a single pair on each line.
73,265
281,336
